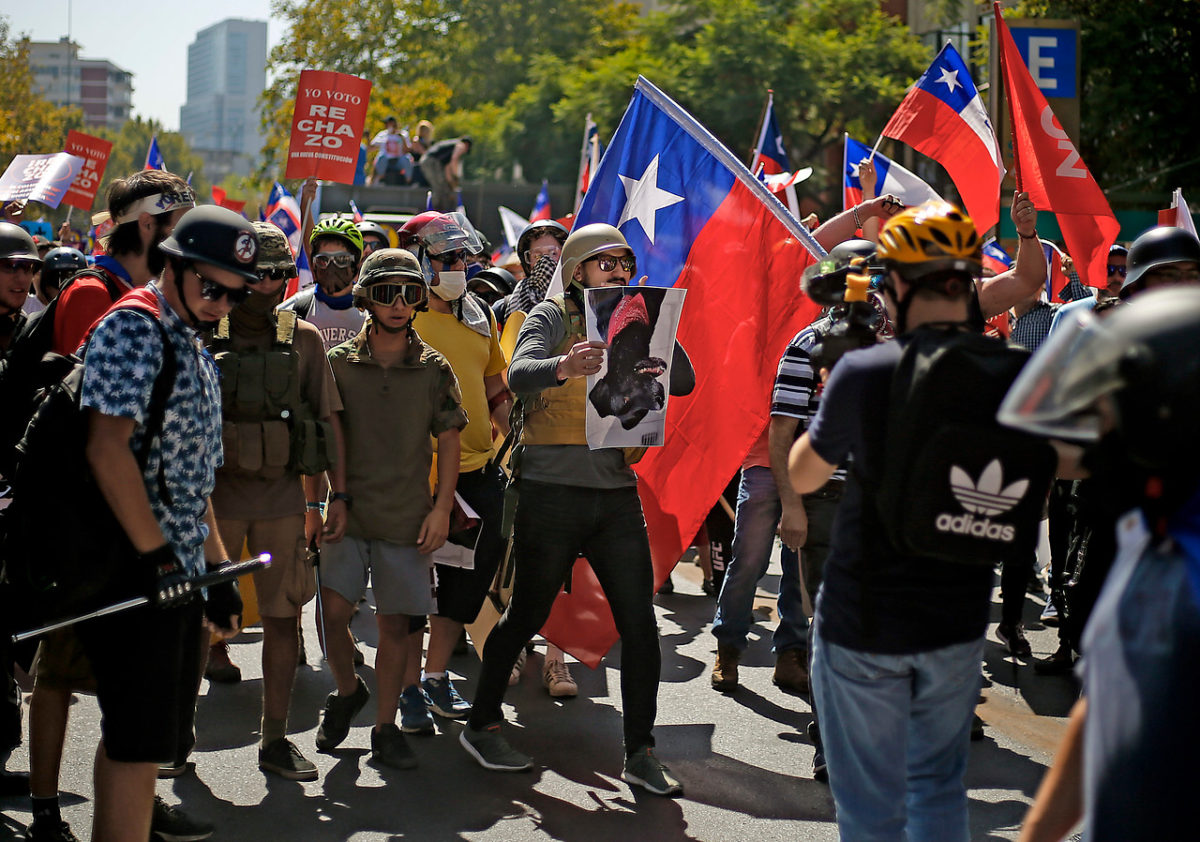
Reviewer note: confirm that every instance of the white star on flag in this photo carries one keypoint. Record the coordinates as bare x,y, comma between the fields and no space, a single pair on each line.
949,78
643,199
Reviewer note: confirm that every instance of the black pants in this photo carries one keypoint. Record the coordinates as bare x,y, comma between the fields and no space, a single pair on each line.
461,592
1061,523
554,525
1014,581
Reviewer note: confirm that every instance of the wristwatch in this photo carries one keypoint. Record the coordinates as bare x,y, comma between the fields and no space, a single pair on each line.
344,497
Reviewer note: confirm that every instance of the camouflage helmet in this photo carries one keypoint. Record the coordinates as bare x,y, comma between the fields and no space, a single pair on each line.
274,251
387,266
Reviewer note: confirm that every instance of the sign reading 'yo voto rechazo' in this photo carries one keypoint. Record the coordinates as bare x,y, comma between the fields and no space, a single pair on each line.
331,109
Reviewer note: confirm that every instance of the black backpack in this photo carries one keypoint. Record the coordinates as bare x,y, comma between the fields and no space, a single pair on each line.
956,485
63,550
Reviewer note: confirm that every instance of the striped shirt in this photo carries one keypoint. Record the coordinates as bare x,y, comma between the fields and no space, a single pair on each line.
1031,329
797,391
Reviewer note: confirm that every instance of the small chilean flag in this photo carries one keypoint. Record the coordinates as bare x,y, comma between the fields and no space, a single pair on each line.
154,158
769,153
541,207
944,117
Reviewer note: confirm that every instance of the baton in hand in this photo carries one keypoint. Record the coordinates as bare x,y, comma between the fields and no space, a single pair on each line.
314,553
215,577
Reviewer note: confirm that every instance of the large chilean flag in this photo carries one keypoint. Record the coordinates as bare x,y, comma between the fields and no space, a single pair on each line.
944,117
696,218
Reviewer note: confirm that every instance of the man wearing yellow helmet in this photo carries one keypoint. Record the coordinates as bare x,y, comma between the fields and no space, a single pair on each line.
898,638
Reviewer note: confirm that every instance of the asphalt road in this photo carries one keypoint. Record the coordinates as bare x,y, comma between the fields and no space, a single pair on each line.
743,758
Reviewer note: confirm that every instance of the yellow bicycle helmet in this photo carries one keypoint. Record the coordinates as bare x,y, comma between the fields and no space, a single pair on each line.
932,237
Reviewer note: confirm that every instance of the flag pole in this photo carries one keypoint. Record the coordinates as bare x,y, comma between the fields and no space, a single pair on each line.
759,130
1012,120
875,148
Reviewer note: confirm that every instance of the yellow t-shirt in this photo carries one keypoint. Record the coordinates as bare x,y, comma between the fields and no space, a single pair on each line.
473,357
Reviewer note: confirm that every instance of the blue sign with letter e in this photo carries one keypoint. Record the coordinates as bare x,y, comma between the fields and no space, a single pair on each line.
1050,56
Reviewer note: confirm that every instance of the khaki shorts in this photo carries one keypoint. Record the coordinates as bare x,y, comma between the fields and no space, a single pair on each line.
60,663
289,583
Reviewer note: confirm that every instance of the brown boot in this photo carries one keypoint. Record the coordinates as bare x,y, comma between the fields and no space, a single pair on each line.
725,670
791,671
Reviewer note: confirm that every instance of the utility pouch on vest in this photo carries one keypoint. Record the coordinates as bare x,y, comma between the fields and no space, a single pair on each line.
312,446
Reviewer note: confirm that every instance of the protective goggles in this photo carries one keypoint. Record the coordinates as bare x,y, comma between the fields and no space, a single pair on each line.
10,266
607,262
279,273
210,290
340,259
386,295
1118,270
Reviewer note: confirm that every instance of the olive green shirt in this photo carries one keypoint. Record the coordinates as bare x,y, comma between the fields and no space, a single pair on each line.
388,416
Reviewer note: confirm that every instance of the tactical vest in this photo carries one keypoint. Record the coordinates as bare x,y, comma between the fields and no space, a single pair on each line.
268,431
557,416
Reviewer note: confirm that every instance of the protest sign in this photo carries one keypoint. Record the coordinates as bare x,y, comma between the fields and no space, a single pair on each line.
94,151
327,126
627,398
40,178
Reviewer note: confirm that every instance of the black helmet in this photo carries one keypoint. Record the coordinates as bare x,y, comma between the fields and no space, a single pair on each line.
846,251
60,264
218,236
501,279
15,242
1157,247
825,281
535,230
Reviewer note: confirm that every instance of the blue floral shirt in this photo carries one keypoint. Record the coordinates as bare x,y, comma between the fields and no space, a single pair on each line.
122,360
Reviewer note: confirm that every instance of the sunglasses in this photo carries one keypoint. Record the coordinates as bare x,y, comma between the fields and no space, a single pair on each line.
11,267
1117,270
372,244
210,290
279,273
607,262
449,258
385,295
340,259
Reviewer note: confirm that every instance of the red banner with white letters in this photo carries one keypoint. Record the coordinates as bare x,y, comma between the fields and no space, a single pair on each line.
94,151
327,126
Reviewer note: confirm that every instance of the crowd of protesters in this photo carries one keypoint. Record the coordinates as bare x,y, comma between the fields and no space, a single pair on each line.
343,430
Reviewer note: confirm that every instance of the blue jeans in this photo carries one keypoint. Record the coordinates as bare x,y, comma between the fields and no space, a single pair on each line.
758,513
896,731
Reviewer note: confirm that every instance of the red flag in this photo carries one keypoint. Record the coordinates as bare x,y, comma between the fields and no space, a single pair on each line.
697,219
221,198
1050,169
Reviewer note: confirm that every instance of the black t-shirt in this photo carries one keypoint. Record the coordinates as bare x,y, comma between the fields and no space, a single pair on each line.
873,599
442,150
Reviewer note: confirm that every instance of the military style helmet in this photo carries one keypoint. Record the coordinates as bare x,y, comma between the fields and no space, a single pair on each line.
935,237
15,242
342,229
274,250
217,236
586,242
531,233
389,266
1157,247
60,264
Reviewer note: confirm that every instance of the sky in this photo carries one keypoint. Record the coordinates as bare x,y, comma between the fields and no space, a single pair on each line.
122,32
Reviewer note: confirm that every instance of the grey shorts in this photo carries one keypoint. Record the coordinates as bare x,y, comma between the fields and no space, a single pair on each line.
401,577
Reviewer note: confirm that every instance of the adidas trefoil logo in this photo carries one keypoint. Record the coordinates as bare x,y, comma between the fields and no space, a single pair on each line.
988,497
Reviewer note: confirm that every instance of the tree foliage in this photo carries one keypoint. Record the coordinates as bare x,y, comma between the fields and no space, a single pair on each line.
29,124
129,154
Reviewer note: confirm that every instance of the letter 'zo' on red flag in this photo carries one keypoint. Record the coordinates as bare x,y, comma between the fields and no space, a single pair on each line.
327,126
94,151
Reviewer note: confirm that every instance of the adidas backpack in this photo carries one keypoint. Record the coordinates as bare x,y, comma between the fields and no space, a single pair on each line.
956,485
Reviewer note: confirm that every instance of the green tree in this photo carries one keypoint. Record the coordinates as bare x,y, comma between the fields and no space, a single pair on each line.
129,155
29,124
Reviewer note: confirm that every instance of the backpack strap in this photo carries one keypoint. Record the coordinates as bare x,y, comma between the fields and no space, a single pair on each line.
303,301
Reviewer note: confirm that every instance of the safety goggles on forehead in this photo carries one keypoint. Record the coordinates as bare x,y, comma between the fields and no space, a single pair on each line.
210,290
11,266
607,262
385,295
340,259
279,273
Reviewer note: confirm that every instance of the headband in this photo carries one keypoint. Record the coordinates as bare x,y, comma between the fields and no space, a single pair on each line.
158,203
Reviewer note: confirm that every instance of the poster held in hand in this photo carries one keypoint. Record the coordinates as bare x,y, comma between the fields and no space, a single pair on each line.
40,178
327,125
94,151
627,398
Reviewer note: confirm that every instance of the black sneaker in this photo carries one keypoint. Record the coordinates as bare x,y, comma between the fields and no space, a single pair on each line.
338,714
284,759
1014,638
172,825
13,784
52,830
1060,663
389,747
820,770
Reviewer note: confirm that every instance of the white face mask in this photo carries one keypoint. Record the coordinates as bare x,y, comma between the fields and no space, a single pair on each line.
450,285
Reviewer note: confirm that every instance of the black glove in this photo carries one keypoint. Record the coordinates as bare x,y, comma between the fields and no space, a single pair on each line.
172,585
224,600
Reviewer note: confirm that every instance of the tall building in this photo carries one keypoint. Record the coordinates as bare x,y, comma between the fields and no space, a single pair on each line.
227,71
103,90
